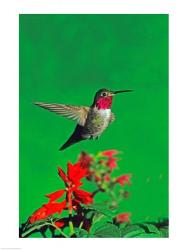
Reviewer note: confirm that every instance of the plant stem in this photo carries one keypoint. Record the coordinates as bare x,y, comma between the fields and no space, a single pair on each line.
80,226
31,229
96,191
53,224
38,227
71,227
70,213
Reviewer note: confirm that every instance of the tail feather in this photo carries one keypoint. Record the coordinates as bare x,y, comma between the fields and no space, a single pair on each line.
74,138
69,143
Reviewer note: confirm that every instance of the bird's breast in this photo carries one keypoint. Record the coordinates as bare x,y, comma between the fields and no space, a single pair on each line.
97,121
105,113
100,116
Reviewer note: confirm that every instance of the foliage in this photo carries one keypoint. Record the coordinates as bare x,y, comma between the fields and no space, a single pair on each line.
73,212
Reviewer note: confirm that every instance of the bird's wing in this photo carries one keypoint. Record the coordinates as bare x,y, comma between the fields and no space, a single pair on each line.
76,113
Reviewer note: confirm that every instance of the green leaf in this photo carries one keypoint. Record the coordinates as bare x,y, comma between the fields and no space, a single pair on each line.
131,231
104,186
98,221
107,231
149,235
48,233
103,209
152,228
164,232
90,214
81,233
146,230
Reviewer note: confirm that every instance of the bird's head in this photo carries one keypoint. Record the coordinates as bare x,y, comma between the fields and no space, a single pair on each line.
103,98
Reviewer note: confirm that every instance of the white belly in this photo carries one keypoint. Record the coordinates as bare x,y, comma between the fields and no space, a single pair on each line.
97,122
106,113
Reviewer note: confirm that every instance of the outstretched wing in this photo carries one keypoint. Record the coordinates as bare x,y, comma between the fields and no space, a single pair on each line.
76,113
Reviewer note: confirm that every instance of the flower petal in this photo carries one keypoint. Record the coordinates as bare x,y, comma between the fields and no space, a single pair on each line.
39,214
85,160
123,217
107,178
112,163
83,196
76,173
59,224
55,195
55,207
63,175
124,179
109,153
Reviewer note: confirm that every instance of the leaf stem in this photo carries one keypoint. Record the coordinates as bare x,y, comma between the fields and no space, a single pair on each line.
70,213
38,228
53,224
80,226
71,228
31,230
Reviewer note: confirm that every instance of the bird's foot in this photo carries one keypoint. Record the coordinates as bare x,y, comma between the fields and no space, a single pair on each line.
93,137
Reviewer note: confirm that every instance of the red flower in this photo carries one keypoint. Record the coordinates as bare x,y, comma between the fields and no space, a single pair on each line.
85,160
59,224
124,179
109,153
112,163
83,196
74,174
73,195
72,180
123,217
55,195
46,210
107,178
39,214
55,207
63,175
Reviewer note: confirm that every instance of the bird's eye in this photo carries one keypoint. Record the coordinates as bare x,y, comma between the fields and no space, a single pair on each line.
103,94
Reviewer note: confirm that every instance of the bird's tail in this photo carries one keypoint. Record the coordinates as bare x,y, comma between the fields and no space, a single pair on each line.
75,137
69,143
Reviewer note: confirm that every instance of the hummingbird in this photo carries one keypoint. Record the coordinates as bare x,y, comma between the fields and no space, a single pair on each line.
91,121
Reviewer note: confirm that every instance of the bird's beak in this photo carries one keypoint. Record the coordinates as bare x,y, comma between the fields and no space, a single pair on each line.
122,91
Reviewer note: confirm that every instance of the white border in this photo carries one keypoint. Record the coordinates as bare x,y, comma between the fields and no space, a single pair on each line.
9,10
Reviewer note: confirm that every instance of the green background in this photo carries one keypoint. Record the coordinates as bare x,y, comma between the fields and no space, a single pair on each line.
66,59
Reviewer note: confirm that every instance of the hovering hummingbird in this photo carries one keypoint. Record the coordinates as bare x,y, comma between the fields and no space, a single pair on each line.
91,121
